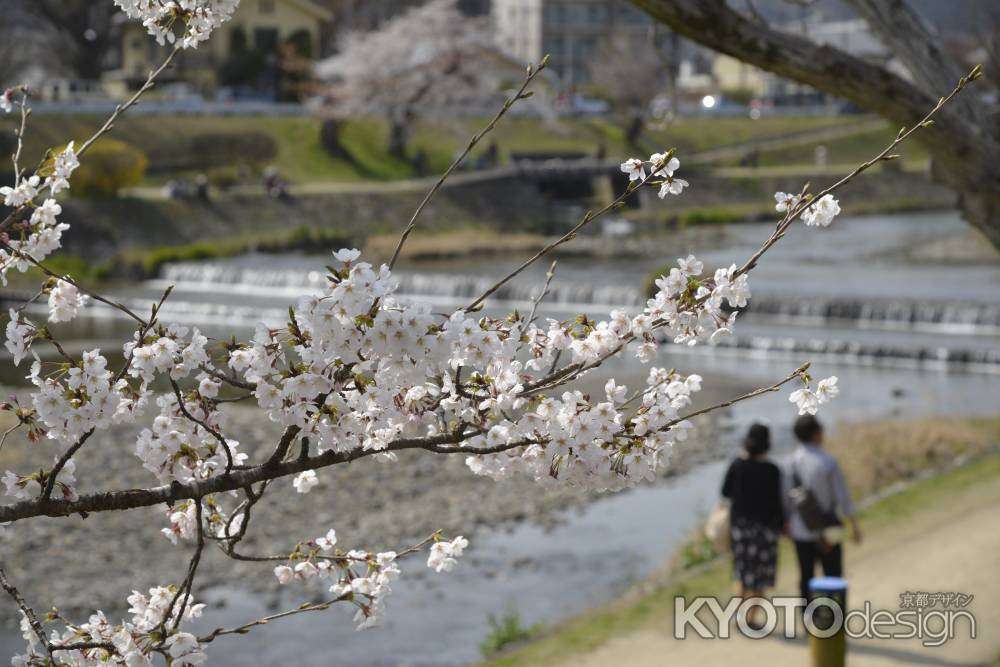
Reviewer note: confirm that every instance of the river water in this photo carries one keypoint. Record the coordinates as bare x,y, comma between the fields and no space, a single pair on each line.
905,339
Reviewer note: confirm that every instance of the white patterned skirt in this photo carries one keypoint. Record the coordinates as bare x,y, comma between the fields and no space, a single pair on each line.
755,553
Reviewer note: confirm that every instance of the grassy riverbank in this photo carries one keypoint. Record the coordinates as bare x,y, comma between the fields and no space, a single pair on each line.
175,144
876,457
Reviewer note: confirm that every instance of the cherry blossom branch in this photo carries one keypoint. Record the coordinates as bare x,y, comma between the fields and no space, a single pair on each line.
317,606
104,129
283,444
36,626
50,481
244,509
522,93
3,438
886,154
333,559
238,479
573,371
541,295
228,379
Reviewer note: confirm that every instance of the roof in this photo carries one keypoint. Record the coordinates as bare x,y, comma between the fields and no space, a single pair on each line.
313,8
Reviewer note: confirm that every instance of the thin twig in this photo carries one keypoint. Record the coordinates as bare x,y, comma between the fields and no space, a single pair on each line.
132,101
72,281
28,612
753,394
246,627
50,482
16,157
588,218
228,379
541,295
508,103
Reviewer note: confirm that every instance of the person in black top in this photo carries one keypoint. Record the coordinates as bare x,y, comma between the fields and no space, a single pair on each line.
757,515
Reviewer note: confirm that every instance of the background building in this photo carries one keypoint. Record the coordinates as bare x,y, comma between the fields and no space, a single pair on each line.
245,55
569,30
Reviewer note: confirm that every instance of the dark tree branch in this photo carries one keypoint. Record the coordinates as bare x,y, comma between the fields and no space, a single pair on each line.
913,43
967,155
238,479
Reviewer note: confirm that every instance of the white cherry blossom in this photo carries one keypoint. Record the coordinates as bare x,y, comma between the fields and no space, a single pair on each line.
822,212
785,201
304,482
635,168
444,555
65,300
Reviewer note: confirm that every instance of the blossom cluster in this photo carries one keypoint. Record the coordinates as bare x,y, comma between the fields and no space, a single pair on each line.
36,236
65,301
355,368
819,213
26,487
20,333
357,576
186,23
360,577
661,166
444,555
155,627
86,396
808,401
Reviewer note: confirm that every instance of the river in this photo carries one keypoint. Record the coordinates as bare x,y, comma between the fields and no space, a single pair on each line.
905,338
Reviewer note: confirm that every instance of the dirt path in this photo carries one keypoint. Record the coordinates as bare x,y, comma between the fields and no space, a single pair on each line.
951,547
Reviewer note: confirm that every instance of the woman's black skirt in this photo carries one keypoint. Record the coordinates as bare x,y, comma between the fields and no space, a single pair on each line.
755,553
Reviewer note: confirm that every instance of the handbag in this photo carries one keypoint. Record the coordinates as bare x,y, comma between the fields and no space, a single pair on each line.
805,503
717,526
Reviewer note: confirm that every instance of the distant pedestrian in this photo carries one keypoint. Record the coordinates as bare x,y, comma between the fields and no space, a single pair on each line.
818,503
753,485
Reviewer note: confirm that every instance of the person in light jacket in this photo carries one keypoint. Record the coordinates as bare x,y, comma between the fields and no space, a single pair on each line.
814,469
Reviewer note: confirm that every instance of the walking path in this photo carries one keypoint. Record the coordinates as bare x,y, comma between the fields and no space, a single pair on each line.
950,546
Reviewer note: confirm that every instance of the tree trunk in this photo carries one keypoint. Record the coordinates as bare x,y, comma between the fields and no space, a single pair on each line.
633,129
965,149
399,135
